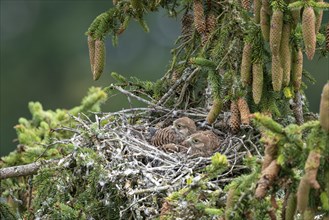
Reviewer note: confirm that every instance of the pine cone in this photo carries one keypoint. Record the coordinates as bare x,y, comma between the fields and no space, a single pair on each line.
245,4
276,32
257,81
295,14
277,73
99,61
244,111
308,27
297,68
266,6
235,117
324,108
211,22
257,7
199,18
187,29
246,64
91,47
318,19
303,192
214,111
265,23
327,37
290,208
285,54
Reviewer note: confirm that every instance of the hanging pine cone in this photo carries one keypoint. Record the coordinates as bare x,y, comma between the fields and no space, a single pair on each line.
246,64
308,27
246,4
276,31
266,6
214,111
244,111
91,47
99,61
277,73
285,54
257,81
297,68
318,19
187,29
211,22
257,7
199,18
295,14
327,36
265,23
235,117
324,108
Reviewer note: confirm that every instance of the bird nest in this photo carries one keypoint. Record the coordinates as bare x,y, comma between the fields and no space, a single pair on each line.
143,174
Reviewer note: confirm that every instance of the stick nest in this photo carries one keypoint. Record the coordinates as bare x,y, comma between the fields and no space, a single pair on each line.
143,174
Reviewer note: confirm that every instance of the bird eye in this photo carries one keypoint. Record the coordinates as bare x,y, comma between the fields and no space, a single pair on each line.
179,126
195,141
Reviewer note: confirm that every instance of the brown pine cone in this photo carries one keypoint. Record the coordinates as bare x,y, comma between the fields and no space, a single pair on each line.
297,68
277,73
265,23
257,81
318,19
244,111
309,35
327,37
285,54
235,117
187,29
246,64
199,18
245,4
257,7
99,61
276,32
91,47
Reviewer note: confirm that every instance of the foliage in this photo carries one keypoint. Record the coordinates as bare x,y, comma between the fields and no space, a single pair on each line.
226,55
40,138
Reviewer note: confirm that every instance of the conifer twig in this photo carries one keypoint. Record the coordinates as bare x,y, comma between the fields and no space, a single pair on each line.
171,91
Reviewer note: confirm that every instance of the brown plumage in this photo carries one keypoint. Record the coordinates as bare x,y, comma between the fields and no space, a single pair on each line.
181,128
202,143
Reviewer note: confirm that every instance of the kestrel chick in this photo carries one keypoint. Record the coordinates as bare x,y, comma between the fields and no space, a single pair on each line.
202,143
181,128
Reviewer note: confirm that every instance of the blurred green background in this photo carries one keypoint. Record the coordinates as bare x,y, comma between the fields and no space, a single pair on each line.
44,57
